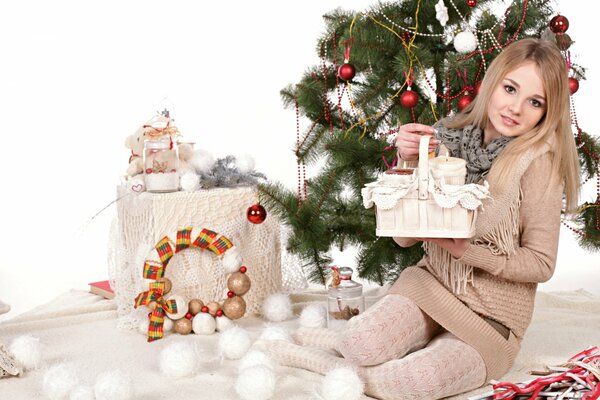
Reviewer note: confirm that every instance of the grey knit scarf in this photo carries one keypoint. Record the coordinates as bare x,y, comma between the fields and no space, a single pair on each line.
466,143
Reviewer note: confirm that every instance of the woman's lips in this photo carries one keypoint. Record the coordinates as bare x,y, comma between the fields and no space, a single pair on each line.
508,121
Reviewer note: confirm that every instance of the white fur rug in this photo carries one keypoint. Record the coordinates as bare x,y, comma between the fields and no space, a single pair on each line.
81,328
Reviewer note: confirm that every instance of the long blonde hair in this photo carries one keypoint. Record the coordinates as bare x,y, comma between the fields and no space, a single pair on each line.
554,127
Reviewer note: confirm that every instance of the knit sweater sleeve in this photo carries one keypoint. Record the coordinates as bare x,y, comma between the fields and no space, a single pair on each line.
535,258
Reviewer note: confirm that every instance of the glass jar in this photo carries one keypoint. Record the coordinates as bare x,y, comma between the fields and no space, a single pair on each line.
161,163
345,297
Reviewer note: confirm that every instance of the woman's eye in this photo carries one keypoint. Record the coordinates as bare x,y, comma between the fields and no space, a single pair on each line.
536,103
509,89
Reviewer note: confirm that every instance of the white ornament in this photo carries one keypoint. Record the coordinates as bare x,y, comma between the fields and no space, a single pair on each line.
26,350
245,163
313,316
232,260
256,383
233,343
277,307
275,333
190,181
113,385
204,324
82,393
179,359
167,325
224,323
203,161
254,358
182,307
144,324
465,42
137,184
441,12
341,384
59,380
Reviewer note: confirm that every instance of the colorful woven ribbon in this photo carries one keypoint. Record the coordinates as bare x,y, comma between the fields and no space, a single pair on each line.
157,317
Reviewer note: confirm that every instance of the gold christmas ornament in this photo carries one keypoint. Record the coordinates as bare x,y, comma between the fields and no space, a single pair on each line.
195,306
213,306
183,326
168,284
234,307
238,283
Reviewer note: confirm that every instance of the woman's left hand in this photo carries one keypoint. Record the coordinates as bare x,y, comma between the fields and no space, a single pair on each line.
456,247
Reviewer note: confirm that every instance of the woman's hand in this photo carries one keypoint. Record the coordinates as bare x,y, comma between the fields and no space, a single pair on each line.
408,138
456,247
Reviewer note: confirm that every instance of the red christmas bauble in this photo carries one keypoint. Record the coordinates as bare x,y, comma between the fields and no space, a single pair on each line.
471,3
573,85
346,71
464,101
559,24
476,88
243,269
409,99
256,214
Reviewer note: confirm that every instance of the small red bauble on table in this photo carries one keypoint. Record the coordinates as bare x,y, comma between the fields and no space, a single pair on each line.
559,24
256,214
573,85
409,99
346,71
464,101
472,3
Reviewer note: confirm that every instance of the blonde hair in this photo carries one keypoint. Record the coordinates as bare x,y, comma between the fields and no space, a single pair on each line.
554,127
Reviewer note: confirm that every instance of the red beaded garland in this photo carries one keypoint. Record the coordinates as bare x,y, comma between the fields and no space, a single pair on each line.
243,270
189,315
219,313
204,309
346,71
230,294
559,24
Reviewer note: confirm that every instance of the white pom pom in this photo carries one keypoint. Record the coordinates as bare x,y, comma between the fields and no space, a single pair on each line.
465,42
254,358
341,384
179,359
203,161
82,393
257,383
59,380
224,323
204,324
143,326
277,307
189,181
245,163
113,385
137,184
275,333
313,316
168,325
232,260
26,350
182,307
233,343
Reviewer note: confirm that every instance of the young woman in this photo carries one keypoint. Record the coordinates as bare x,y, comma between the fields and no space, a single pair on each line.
456,320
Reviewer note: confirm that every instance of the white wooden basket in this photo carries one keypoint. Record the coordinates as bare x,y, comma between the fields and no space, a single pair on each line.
422,206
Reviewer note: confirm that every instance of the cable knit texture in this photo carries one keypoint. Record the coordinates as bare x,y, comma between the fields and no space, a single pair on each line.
514,248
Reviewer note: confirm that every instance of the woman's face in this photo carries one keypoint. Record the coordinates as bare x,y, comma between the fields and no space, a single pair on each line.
517,104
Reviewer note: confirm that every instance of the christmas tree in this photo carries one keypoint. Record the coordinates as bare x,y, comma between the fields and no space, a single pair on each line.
399,62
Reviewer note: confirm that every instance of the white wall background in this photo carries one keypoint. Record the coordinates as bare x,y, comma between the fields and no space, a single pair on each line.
77,77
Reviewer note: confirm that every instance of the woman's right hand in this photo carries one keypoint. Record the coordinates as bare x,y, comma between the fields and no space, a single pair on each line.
408,138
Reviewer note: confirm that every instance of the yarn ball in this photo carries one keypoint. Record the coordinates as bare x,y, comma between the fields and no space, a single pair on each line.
341,384
277,307
167,325
232,260
256,383
27,351
224,323
245,163
313,316
465,42
179,359
233,343
254,358
182,307
190,181
59,380
113,385
275,333
204,324
82,393
203,161
137,184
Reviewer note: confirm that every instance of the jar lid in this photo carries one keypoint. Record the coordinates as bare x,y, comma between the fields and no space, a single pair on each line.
157,144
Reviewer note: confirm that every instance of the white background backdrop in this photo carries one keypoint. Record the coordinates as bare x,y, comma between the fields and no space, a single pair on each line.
77,77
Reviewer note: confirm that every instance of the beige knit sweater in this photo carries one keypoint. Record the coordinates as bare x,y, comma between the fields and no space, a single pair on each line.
514,248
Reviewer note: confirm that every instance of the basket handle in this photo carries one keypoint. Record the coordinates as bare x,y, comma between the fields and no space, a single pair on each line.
424,167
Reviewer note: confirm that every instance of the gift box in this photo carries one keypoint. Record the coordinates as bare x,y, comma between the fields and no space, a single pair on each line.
429,201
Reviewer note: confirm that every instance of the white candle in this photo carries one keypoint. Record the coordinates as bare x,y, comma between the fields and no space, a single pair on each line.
452,169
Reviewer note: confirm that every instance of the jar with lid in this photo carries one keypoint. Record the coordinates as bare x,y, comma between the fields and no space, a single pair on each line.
345,297
161,163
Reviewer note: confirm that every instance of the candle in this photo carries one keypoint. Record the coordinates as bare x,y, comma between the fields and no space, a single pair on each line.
453,170
399,176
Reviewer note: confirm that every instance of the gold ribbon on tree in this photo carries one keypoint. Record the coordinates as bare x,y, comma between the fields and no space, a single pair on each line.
159,308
